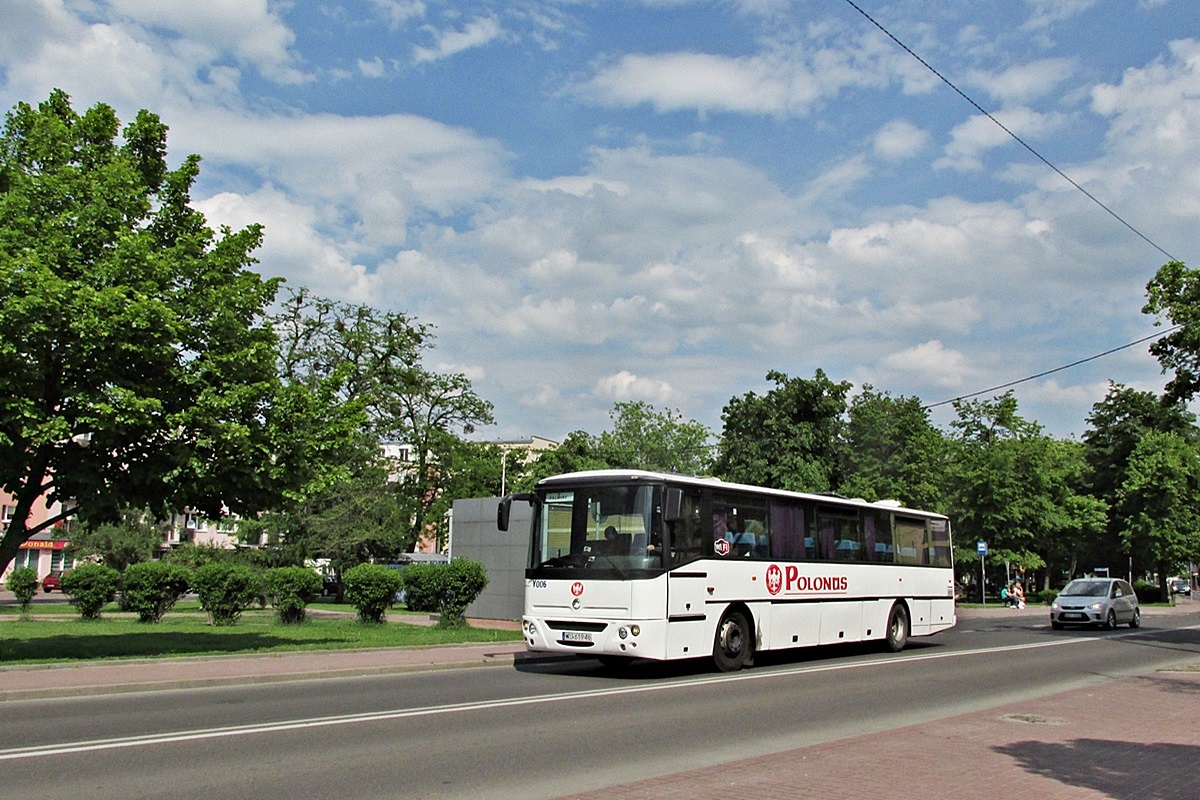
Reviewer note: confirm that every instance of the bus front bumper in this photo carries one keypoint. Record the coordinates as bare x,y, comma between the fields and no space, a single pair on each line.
584,637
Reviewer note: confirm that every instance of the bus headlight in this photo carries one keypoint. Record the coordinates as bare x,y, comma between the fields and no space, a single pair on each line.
530,628
635,629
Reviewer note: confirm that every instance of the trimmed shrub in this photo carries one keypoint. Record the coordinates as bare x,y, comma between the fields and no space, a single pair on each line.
1148,592
371,589
422,584
150,588
226,590
23,582
291,589
444,589
91,587
1045,596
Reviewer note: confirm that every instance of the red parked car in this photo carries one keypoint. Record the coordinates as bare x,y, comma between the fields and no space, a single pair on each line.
53,581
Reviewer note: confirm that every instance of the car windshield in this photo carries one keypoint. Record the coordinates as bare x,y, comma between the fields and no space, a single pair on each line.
602,527
1086,589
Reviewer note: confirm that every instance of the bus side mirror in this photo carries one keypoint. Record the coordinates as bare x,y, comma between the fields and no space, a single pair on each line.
502,513
672,505
504,510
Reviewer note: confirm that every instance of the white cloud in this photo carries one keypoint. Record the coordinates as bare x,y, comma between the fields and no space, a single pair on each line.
475,33
398,12
979,135
684,81
932,363
1045,13
625,386
292,243
899,140
367,175
248,30
373,68
1025,82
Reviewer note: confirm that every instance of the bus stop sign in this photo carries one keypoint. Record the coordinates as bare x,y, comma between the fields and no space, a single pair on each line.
981,548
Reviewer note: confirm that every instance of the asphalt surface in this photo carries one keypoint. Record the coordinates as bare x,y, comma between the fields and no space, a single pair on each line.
1131,738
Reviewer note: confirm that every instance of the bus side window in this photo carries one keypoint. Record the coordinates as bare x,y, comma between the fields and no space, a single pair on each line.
877,527
687,543
910,541
789,532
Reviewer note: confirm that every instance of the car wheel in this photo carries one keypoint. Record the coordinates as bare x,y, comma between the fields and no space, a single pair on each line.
897,628
733,643
1136,620
1110,622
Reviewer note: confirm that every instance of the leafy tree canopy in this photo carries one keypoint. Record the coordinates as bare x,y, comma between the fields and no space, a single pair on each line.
136,365
788,438
1174,292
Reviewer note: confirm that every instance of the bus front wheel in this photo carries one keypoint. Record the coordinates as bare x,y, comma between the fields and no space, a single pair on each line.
897,628
734,643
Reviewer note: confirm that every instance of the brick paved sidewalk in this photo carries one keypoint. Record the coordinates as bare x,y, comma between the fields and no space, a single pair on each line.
1126,739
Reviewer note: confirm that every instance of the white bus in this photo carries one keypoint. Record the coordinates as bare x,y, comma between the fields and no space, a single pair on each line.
632,564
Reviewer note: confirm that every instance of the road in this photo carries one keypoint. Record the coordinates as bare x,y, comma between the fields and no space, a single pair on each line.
546,730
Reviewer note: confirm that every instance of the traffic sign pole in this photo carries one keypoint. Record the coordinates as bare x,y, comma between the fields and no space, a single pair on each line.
981,548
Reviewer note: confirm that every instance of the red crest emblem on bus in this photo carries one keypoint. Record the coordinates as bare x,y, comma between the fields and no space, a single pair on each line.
774,579
577,588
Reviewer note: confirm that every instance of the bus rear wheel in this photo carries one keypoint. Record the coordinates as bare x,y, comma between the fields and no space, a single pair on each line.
734,642
897,628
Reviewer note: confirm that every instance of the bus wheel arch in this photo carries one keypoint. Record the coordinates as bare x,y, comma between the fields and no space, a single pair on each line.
734,639
898,627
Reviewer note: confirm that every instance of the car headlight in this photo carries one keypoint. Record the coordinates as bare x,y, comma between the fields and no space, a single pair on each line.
1096,606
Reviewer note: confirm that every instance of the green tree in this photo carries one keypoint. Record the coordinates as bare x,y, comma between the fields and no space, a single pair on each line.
131,540
660,441
372,360
136,366
1007,484
1162,482
579,451
892,451
1118,425
1174,292
788,438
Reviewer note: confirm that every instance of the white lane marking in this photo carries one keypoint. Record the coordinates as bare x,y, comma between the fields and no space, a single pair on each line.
37,751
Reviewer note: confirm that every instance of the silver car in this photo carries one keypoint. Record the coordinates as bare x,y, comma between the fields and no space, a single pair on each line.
1096,601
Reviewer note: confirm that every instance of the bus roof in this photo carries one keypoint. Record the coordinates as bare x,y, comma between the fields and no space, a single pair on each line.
633,475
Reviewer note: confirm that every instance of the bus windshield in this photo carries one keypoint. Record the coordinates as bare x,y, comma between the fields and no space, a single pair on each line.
612,528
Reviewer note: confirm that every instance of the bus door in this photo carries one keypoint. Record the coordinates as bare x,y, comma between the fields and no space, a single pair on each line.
686,576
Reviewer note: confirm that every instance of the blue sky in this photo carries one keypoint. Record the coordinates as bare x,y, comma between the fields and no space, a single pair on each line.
662,200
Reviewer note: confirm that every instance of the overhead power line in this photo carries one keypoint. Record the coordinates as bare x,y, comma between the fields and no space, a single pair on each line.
1056,369
1015,138
1057,171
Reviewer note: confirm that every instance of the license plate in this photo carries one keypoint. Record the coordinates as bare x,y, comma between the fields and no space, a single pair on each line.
576,636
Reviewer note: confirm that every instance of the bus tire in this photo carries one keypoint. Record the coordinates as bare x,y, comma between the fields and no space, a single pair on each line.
897,628
734,641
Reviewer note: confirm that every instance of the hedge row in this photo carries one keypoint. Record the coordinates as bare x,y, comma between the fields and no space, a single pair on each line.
150,589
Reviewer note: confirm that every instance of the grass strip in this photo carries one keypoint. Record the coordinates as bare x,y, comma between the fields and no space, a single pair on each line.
45,638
